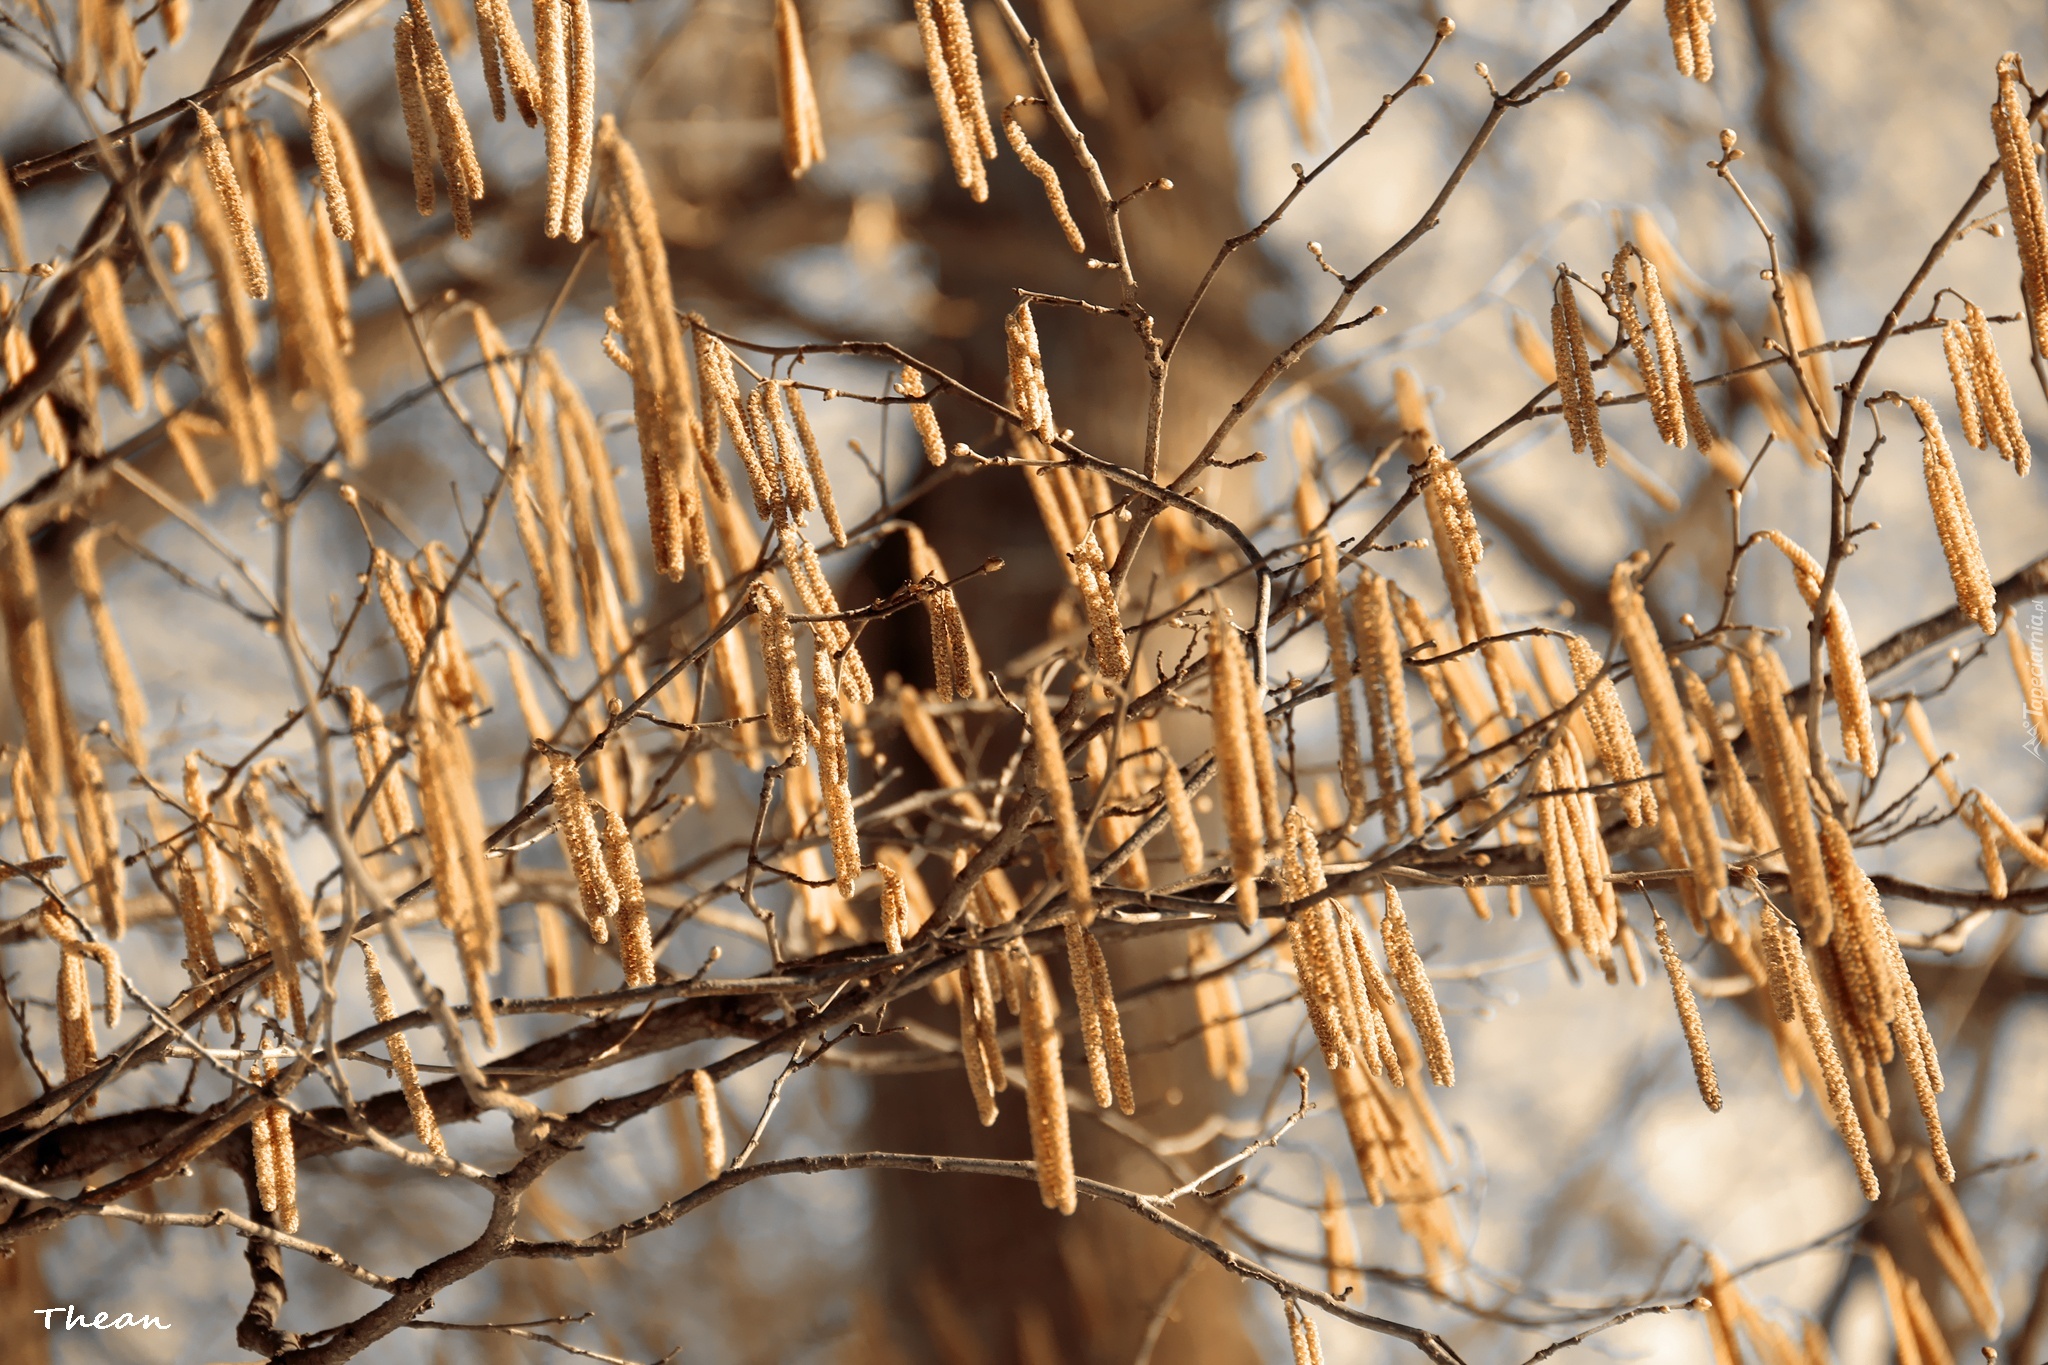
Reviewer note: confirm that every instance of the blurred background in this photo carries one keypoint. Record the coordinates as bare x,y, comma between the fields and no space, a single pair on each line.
1586,1176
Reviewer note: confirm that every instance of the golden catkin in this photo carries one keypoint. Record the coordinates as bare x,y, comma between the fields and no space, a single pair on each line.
577,830
1691,22
128,704
1955,349
778,658
412,102
820,484
622,865
1684,785
1052,1150
833,775
1409,974
100,298
801,560
1663,396
1029,397
1677,376
1109,1026
1455,533
581,61
1229,719
76,1042
973,1030
803,135
1340,1243
1955,1246
308,342
1746,820
333,189
459,164
1055,196
910,384
1689,1019
1098,598
32,668
1845,661
371,245
962,136
1993,395
373,755
2023,197
270,1138
1975,597
1059,796
1575,391
1301,1336
1760,688
1378,638
710,1124
1813,1019
1350,763
10,222
227,188
424,1121
1613,737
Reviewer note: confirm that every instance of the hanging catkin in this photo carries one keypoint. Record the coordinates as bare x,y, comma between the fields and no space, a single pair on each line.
1098,599
1689,1019
1684,785
373,756
227,189
100,299
1042,169
1045,1092
577,830
1613,737
1975,597
1575,392
1991,393
1350,765
1455,534
1029,397
1813,1019
2023,197
1657,386
1845,661
424,1121
128,704
910,384
955,77
277,1169
436,94
815,461
1409,974
1378,638
833,773
1760,689
320,130
710,1124
803,135
1691,23
1230,721
1059,796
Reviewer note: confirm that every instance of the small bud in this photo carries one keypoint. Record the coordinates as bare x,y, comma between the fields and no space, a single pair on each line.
1727,139
1445,27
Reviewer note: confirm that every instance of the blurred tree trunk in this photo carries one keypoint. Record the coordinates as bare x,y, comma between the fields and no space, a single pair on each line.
982,1273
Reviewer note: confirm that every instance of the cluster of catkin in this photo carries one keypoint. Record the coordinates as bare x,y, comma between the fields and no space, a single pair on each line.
1975,596
57,756
1349,1000
272,1154
1244,761
1983,396
417,604
1692,23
